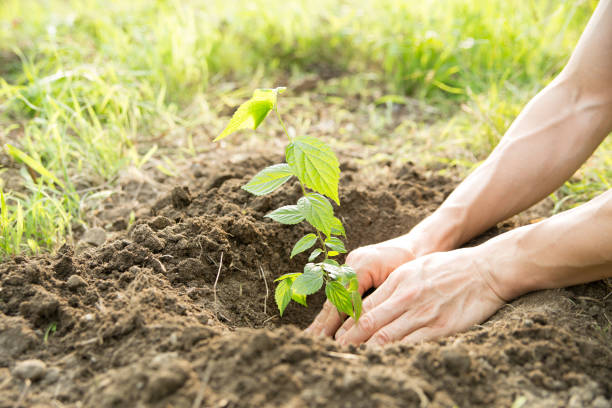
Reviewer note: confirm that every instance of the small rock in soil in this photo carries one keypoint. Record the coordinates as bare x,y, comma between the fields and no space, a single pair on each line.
75,282
94,236
32,370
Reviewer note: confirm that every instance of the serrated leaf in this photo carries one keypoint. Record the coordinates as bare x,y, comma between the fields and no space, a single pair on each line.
333,269
337,227
353,283
339,297
288,276
301,299
315,164
317,211
251,113
282,295
306,242
331,262
357,305
336,244
269,179
314,254
348,278
348,271
289,214
309,282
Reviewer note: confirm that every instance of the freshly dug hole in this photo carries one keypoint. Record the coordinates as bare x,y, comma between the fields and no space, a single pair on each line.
142,326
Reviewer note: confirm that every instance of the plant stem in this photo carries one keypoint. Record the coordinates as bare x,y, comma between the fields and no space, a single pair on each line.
282,123
289,137
322,243
301,184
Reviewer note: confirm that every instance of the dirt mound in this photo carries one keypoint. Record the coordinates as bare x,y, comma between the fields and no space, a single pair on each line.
138,322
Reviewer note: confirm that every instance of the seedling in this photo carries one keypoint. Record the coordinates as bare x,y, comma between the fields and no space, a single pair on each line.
317,170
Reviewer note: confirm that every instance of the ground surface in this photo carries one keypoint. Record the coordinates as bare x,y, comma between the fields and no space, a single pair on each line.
137,323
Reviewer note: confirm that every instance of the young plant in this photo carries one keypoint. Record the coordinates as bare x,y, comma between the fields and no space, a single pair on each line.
316,168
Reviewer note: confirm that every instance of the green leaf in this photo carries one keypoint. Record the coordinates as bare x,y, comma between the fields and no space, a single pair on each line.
317,211
282,295
269,179
335,244
337,227
353,283
291,276
339,297
331,262
315,164
289,214
309,282
312,267
301,299
314,254
333,270
357,305
251,113
348,271
32,163
303,244
348,278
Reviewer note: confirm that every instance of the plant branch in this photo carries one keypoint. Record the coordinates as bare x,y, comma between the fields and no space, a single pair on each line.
290,138
282,123
322,243
215,286
263,276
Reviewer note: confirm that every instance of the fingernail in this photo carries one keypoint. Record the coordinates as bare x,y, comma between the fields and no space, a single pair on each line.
339,333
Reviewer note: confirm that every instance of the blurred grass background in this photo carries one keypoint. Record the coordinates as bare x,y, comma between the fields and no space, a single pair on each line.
91,87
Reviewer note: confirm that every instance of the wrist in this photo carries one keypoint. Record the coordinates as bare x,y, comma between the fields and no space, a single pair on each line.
439,232
506,264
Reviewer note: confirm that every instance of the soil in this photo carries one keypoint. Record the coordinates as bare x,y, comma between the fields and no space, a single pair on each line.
138,322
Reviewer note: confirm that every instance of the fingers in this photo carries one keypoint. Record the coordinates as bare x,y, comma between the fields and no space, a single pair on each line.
327,321
422,334
369,303
372,322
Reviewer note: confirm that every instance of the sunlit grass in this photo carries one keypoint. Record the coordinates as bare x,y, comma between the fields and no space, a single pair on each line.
87,85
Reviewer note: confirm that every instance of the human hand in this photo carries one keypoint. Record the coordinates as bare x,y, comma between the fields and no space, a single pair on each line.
432,296
372,263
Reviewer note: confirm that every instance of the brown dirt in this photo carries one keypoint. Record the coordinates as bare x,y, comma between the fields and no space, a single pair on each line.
138,325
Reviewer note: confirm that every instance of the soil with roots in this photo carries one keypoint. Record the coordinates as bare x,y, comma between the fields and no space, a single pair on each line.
139,321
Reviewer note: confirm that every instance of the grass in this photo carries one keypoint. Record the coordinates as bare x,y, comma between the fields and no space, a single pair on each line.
89,88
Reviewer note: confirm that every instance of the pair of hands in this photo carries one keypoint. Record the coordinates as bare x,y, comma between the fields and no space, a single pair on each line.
416,298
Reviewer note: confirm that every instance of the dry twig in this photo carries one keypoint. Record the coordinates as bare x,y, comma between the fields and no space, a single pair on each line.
263,276
215,286
197,403
23,394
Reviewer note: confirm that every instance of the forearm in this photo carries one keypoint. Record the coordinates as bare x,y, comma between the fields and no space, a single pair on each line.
556,132
567,249
553,136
